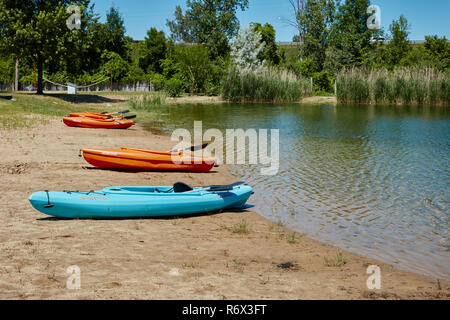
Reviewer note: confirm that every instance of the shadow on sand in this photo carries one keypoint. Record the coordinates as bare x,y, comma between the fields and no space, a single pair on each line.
83,98
187,216
137,170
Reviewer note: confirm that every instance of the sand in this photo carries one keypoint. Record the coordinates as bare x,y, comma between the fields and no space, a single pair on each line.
200,257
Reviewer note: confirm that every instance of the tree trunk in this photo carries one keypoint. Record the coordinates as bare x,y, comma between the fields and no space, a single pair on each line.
40,66
16,78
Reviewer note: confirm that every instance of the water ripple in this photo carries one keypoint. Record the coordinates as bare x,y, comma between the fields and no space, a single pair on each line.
374,180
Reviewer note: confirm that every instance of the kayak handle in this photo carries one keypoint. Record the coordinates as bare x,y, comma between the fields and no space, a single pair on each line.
49,205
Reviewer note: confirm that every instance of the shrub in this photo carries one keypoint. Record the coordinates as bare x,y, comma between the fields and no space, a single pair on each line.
158,81
174,87
323,82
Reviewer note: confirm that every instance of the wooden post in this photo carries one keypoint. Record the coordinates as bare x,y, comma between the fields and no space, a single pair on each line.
311,85
16,79
335,88
111,80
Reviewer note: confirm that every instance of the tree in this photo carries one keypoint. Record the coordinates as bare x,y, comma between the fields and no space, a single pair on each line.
7,64
270,51
83,48
193,66
119,66
152,51
245,49
350,38
438,49
316,22
298,7
36,30
296,38
209,22
399,46
116,41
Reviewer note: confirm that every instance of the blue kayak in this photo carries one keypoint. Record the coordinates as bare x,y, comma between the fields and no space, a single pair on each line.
150,201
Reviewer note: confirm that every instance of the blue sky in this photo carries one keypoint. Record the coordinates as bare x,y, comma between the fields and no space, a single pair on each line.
425,17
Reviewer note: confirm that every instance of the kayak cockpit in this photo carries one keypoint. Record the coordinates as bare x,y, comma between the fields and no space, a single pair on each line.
177,188
148,190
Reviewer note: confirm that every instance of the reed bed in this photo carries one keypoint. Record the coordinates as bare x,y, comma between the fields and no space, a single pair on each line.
147,101
269,85
401,86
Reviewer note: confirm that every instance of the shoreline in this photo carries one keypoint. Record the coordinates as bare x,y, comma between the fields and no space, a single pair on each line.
230,255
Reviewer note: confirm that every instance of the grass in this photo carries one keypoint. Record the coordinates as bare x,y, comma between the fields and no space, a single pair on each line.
337,261
280,223
271,85
239,266
24,112
28,110
291,238
148,101
401,86
241,228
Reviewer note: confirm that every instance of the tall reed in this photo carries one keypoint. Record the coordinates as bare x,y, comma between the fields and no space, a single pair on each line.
401,86
270,85
148,100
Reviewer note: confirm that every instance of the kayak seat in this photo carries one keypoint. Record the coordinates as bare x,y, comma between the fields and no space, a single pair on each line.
180,187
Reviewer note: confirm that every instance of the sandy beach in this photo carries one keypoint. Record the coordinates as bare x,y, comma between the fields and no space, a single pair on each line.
200,257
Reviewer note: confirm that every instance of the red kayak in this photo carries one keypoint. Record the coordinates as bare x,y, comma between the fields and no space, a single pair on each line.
86,122
95,115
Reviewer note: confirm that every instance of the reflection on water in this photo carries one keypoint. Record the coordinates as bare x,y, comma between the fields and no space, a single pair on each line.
372,179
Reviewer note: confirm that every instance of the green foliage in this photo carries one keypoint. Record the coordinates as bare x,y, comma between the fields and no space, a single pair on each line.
399,47
148,101
323,82
7,65
305,68
37,32
384,91
212,23
174,87
335,39
404,85
241,228
337,261
270,52
120,67
39,36
438,49
316,23
115,40
194,67
158,81
271,85
350,39
152,51
353,88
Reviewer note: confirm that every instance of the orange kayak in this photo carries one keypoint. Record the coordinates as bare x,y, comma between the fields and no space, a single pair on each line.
95,115
146,160
86,122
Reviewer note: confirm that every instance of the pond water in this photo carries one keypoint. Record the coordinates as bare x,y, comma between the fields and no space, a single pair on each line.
370,179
